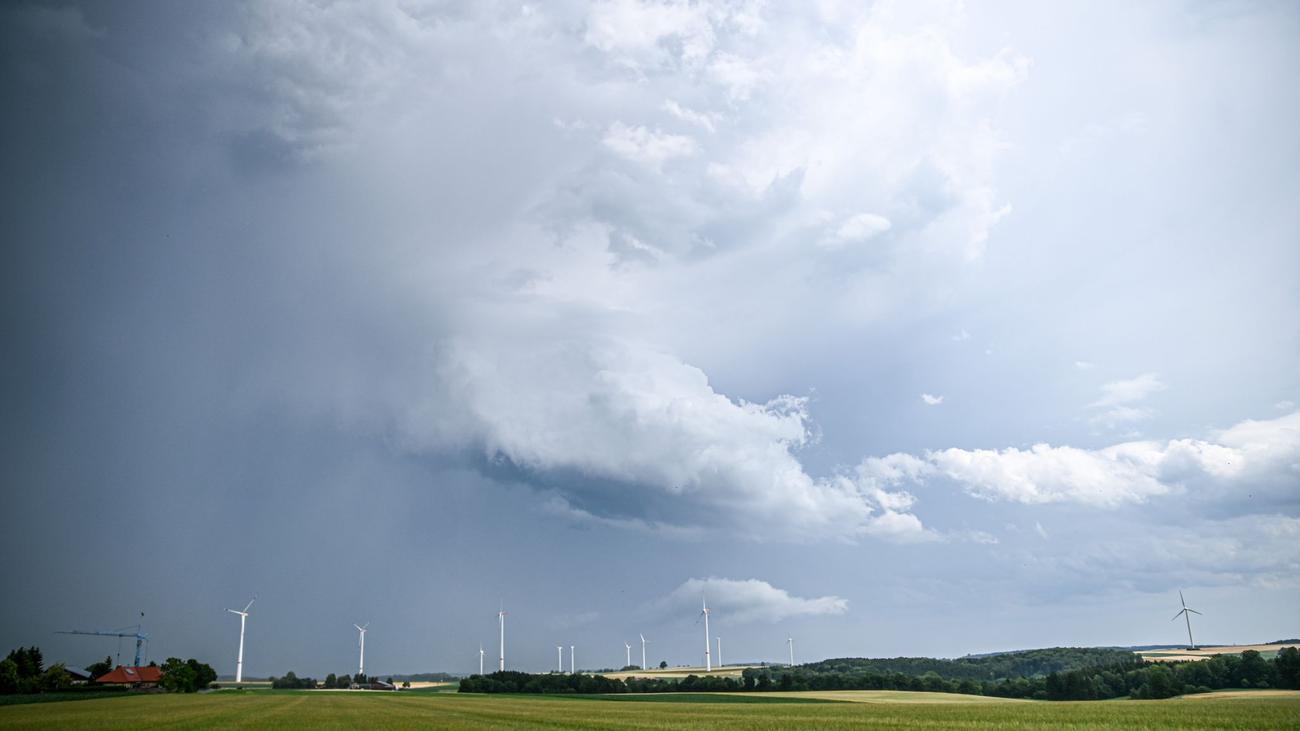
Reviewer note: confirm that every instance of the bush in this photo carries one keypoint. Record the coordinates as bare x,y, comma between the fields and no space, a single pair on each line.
291,681
186,676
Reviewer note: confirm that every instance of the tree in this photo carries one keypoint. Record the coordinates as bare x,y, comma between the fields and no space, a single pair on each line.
1287,666
178,677
1160,683
29,661
8,676
186,676
663,664
204,675
344,681
331,681
55,678
100,668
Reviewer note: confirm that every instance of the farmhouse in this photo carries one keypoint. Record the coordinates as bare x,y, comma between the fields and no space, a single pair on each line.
134,677
79,675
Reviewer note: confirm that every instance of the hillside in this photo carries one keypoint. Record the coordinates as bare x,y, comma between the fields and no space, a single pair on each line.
1021,664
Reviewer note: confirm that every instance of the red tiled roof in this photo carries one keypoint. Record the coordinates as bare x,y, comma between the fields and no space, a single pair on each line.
130,675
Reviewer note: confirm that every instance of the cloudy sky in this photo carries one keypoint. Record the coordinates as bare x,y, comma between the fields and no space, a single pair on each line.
894,328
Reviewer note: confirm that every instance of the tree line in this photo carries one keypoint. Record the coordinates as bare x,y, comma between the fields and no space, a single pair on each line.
1091,679
1020,664
23,671
291,681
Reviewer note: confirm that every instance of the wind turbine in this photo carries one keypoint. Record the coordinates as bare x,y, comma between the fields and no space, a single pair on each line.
708,659
559,658
361,666
480,659
790,641
643,652
572,663
629,655
1186,613
501,659
243,617
719,639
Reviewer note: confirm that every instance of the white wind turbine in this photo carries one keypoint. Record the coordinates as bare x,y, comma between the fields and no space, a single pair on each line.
501,659
361,666
559,658
790,641
572,663
643,652
1186,613
629,654
480,659
719,639
243,616
708,659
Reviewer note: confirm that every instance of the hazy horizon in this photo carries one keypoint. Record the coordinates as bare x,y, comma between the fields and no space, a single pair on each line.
895,328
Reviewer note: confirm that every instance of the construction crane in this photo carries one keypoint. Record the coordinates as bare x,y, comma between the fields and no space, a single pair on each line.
140,637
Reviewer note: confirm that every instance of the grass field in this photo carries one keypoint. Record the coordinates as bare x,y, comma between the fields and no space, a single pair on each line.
323,711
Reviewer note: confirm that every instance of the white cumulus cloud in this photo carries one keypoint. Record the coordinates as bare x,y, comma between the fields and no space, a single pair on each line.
1128,391
748,600
858,228
646,146
1258,458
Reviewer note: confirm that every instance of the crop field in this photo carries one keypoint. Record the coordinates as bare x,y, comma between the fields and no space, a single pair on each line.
727,671
1202,653
323,711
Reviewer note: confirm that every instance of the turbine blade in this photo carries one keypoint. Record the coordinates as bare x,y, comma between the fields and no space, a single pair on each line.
1181,600
1193,611
1176,616
250,603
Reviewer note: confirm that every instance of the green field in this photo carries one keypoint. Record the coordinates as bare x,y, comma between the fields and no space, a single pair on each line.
320,711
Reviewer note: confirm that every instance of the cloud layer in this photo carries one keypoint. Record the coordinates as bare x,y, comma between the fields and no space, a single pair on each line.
1253,460
686,158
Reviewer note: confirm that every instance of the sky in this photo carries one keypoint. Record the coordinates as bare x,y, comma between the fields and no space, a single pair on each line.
892,328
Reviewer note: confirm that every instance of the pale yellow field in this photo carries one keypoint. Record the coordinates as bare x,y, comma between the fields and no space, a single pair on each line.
1201,653
890,696
1244,695
728,671
421,684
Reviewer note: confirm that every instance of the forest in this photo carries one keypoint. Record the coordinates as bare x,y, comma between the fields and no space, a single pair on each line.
1051,674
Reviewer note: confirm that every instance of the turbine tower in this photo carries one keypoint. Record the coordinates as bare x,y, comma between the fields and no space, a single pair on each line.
719,639
501,659
361,666
1186,613
790,641
708,659
559,658
643,652
480,659
572,664
629,655
243,616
